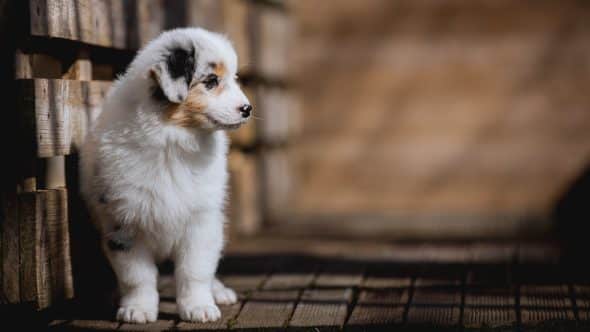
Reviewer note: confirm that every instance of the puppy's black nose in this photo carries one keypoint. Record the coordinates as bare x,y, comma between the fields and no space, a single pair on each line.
245,110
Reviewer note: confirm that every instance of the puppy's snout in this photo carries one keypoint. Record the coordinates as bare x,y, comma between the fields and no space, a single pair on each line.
245,109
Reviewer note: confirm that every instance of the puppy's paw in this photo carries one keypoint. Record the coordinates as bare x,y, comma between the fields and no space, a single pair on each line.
136,314
199,313
224,295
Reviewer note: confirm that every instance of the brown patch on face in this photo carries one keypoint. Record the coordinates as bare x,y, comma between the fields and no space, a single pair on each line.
218,68
189,113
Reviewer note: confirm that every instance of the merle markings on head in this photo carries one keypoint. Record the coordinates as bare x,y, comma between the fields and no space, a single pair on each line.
195,75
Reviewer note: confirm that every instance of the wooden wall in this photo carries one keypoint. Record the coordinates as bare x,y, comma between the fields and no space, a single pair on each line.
60,58
440,118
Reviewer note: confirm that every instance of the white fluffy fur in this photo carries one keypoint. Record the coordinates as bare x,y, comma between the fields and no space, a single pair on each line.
164,183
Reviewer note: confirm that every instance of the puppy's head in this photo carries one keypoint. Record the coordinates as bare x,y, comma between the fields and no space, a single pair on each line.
195,75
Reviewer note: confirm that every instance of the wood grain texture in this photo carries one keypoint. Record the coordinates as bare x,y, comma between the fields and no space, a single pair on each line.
10,248
244,208
34,266
95,22
267,309
379,307
322,308
61,111
45,263
547,296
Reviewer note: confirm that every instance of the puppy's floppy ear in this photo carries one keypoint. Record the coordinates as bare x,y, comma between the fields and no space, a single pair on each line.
175,73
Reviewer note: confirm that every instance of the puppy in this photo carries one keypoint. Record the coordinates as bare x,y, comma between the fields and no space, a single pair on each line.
153,171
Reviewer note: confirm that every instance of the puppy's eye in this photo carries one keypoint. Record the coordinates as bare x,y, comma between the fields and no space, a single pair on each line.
211,81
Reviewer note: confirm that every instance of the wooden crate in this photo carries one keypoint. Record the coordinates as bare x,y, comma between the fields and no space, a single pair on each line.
65,57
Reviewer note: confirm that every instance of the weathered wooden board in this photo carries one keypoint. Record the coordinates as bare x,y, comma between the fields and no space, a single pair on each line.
10,248
285,281
322,308
45,264
489,306
272,34
277,181
548,296
236,24
60,112
379,307
159,325
244,209
34,267
278,118
267,309
108,23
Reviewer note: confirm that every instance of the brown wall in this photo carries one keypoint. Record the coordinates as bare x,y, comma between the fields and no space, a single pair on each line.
432,108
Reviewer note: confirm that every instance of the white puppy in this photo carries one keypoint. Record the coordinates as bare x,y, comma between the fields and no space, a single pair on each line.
154,172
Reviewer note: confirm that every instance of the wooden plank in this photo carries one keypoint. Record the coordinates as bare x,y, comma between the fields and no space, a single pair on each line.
339,275
95,22
535,316
582,296
284,281
437,296
548,296
489,307
379,307
236,26
244,209
10,248
480,317
62,111
45,263
267,309
159,325
36,66
277,184
272,33
90,325
278,111
490,297
205,13
321,308
150,21
34,266
386,282
431,315
57,243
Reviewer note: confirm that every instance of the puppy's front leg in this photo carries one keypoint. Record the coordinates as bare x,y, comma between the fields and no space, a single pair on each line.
137,276
196,261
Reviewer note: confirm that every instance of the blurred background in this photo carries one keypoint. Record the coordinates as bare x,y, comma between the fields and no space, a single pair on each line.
439,118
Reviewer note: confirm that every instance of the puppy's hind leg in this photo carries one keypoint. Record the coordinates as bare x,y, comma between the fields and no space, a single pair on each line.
137,277
222,294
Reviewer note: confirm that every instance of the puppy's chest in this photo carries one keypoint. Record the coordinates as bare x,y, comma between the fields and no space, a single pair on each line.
175,186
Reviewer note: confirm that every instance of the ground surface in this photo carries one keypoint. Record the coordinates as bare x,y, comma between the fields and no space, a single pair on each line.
322,285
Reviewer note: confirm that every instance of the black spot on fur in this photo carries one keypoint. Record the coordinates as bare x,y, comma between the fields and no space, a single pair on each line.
120,239
115,245
158,94
102,199
181,63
